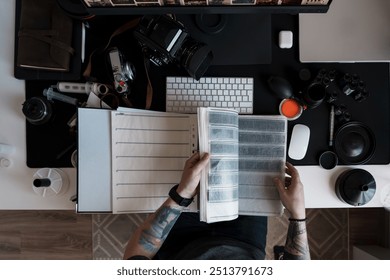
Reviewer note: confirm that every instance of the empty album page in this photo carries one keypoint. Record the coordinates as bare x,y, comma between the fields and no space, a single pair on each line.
149,150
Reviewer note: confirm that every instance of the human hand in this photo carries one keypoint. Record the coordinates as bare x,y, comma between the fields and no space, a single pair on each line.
191,174
291,192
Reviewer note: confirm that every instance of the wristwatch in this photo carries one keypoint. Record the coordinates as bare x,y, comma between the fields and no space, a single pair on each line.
179,199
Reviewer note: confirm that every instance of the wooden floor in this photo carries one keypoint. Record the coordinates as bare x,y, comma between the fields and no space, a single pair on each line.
368,226
47,235
66,235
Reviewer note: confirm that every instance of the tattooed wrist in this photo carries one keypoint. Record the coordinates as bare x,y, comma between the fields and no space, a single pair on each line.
154,234
299,228
297,246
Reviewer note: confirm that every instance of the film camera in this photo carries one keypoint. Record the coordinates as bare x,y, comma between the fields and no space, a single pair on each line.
167,41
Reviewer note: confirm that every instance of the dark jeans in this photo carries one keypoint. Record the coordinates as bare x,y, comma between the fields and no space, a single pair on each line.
249,229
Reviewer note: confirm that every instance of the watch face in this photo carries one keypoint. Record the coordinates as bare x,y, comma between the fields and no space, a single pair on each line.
185,202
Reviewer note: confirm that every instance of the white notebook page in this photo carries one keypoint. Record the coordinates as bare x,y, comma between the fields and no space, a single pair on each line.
149,150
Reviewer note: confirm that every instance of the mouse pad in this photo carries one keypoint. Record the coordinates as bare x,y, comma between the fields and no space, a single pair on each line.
234,39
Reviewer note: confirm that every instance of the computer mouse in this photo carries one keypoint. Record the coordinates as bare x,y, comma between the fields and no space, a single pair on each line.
299,141
280,87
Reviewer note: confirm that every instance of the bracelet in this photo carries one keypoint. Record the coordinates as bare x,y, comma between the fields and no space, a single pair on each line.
297,220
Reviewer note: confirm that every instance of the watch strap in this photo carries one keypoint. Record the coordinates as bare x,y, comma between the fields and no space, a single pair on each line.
178,198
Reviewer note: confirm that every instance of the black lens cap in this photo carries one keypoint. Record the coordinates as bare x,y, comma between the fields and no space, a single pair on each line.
328,160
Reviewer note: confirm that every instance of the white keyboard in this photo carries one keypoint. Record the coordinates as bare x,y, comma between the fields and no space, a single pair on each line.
185,94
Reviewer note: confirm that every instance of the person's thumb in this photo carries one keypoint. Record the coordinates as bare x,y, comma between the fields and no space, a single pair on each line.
201,163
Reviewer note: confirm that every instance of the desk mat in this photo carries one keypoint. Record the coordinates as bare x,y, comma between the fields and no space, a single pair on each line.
374,112
234,39
50,144
43,146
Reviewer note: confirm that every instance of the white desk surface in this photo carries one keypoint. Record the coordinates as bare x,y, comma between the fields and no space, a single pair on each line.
16,181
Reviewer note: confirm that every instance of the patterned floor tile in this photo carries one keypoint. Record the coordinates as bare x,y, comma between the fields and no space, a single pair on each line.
110,234
327,233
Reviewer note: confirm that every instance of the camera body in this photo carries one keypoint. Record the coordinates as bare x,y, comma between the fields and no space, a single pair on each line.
167,41
118,72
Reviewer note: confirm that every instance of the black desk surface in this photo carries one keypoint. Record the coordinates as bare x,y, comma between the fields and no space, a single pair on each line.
44,145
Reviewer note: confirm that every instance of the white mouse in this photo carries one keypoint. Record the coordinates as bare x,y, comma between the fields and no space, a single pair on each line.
299,142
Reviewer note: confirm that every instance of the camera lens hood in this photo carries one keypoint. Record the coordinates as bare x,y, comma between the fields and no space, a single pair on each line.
197,60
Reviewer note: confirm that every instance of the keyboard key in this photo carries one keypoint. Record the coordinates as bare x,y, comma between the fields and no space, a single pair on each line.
185,94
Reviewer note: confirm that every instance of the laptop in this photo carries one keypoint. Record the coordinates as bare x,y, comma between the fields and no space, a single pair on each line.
351,31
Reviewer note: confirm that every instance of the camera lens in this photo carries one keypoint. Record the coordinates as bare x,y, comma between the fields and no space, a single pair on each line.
167,41
37,110
196,58
314,95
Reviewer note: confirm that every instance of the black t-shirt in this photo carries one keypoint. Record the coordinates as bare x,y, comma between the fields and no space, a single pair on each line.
217,248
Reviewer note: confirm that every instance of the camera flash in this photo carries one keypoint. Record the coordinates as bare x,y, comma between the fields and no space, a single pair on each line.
285,39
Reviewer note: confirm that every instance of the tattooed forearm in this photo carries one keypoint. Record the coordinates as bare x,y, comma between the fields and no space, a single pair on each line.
157,231
297,247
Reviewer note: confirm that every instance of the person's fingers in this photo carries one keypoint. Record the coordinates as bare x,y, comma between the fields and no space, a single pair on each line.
291,170
194,158
288,182
205,157
202,162
279,184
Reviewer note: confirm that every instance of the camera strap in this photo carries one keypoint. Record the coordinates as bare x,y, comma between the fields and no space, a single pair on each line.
149,87
127,26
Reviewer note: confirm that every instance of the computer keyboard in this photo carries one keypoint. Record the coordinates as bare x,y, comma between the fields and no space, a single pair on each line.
185,94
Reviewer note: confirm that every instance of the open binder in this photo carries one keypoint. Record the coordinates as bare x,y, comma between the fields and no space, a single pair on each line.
144,153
